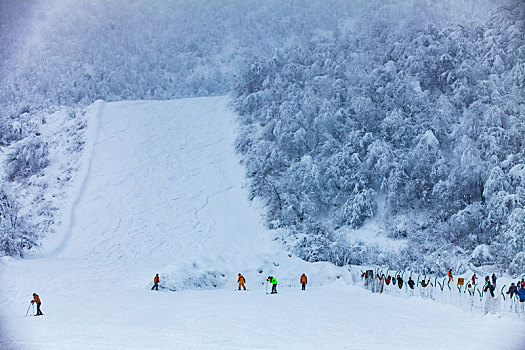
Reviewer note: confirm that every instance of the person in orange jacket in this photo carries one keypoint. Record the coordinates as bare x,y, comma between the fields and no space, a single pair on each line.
156,281
36,299
304,281
241,281
450,278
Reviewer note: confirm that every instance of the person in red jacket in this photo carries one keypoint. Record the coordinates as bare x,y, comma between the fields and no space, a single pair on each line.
36,299
156,281
304,281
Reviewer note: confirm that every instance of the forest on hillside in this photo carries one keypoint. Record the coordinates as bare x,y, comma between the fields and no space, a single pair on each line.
408,114
419,127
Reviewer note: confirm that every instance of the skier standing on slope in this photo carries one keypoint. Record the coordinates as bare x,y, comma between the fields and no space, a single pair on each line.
490,302
489,287
450,278
241,281
411,283
36,299
399,282
474,277
521,294
471,289
273,281
383,281
512,290
304,281
494,279
156,281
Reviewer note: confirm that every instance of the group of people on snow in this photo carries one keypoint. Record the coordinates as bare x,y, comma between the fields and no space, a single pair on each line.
241,281
515,289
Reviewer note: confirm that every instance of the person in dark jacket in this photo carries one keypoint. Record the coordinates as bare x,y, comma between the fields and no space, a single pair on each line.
489,287
494,280
424,283
513,290
399,282
411,283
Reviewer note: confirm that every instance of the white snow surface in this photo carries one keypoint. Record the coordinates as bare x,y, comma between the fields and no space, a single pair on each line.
160,190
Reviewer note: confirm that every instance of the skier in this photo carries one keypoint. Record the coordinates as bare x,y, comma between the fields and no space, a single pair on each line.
241,281
450,278
156,280
411,283
424,283
388,279
304,281
474,278
36,299
490,303
489,287
273,281
521,294
471,289
494,280
399,282
512,290
522,283
383,281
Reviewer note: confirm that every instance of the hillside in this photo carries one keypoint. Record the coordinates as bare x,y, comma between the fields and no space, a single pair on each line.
159,190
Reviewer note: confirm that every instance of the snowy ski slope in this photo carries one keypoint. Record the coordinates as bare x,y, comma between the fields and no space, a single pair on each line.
160,190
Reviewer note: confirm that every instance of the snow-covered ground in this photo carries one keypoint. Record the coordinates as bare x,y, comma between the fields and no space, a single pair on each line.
160,191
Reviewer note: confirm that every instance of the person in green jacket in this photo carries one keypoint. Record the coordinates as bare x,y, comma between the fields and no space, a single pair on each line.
273,281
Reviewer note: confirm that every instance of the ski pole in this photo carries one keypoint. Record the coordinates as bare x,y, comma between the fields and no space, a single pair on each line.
33,308
28,308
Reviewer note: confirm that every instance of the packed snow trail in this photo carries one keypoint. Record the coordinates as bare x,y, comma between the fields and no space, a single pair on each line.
160,191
